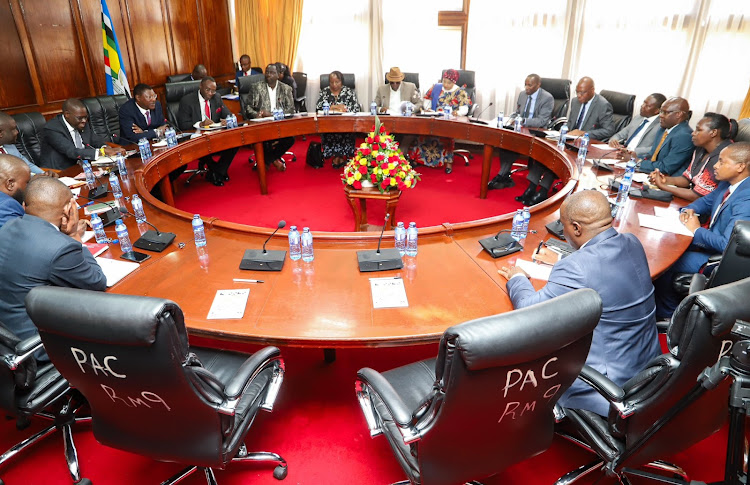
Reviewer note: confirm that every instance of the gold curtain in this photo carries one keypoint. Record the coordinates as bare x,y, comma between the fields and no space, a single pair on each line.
268,30
745,112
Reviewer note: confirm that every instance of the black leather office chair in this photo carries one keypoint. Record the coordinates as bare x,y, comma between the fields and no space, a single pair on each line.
174,92
300,101
410,77
466,78
349,80
635,435
151,393
30,132
743,130
560,91
487,401
622,107
31,389
243,88
178,78
104,115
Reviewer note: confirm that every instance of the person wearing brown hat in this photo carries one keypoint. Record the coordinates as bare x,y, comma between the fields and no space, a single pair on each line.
390,96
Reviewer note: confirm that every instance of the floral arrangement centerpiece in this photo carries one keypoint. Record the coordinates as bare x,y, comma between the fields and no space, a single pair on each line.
379,163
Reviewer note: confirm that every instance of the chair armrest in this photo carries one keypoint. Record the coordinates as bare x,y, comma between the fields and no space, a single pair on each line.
248,370
601,384
24,349
713,260
698,283
662,326
391,400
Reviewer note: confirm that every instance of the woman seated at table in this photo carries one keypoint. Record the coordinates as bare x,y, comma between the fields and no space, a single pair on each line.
712,134
286,78
341,99
433,151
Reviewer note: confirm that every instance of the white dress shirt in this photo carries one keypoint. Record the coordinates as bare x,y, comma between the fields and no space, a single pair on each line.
72,132
394,105
637,138
272,94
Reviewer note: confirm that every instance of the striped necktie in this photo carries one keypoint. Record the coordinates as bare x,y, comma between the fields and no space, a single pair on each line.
658,147
148,118
637,130
526,109
580,117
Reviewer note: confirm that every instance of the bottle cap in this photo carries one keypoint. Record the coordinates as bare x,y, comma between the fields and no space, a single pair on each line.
118,221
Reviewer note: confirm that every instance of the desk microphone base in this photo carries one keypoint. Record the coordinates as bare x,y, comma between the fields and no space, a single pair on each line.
500,245
155,241
257,260
98,191
109,217
385,260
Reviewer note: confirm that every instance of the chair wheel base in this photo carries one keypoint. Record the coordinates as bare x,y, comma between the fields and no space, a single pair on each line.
279,473
84,481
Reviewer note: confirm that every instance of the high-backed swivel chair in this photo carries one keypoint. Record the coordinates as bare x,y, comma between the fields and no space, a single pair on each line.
174,92
30,133
560,91
300,101
466,78
487,401
36,389
149,392
622,107
635,434
104,115
410,77
178,78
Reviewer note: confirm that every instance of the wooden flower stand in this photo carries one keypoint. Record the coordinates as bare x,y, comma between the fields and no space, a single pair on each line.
390,197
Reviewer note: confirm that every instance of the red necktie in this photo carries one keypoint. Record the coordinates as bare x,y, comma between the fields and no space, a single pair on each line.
208,111
148,118
2,150
724,199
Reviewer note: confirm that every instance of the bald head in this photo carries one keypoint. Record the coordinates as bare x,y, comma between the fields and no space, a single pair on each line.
8,129
14,176
199,72
673,112
46,198
584,215
585,90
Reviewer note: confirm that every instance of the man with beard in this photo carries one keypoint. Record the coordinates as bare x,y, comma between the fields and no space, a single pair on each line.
14,176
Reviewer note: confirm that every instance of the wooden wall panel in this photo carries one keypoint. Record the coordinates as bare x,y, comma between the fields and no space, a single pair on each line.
56,49
186,40
148,27
218,52
15,89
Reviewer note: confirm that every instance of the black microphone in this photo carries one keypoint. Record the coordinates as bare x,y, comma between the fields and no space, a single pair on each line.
597,162
263,260
476,118
100,190
382,231
280,225
530,231
378,260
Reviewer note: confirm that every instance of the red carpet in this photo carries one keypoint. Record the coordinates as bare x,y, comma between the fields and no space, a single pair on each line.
305,196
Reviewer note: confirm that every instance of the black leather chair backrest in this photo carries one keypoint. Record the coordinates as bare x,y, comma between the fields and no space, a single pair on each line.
104,115
174,93
244,88
560,90
735,262
301,79
410,77
129,356
743,130
466,78
178,78
30,134
497,381
695,337
622,107
349,80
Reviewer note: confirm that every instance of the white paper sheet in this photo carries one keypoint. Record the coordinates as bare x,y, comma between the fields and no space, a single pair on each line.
668,212
388,293
665,224
601,146
116,269
228,304
535,270
87,235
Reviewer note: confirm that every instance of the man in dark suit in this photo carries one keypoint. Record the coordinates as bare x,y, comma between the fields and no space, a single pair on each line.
673,145
535,107
68,138
637,139
14,176
590,113
727,204
43,248
263,98
141,116
8,137
245,68
625,339
199,72
200,110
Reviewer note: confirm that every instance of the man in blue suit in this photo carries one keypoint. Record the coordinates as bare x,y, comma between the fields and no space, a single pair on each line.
673,145
141,116
614,265
14,176
727,204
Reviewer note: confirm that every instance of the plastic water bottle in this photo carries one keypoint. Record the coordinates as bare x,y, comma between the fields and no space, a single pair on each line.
526,219
447,112
171,137
144,147
90,177
373,108
561,140
518,125
307,245
411,239
121,166
583,150
500,119
122,235
623,193
295,248
137,203
517,228
399,236
409,109
326,108
114,184
630,167
199,232
98,226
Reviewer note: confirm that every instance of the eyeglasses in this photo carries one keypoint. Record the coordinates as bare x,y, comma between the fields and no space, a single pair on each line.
667,113
581,93
149,97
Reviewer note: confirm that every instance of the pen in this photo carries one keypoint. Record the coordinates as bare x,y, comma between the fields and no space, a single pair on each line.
538,248
241,280
88,203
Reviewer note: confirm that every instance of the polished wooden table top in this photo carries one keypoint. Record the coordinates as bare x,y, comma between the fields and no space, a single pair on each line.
327,303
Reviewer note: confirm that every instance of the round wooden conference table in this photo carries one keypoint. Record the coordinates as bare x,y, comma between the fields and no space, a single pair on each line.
327,303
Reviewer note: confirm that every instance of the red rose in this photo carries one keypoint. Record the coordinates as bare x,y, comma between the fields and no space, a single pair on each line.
384,184
373,178
382,146
402,186
380,157
382,129
384,165
376,139
366,151
362,169
369,139
373,163
357,184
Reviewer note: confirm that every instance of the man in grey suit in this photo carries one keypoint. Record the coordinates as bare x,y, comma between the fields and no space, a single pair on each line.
637,139
590,113
43,248
625,339
535,107
390,96
264,97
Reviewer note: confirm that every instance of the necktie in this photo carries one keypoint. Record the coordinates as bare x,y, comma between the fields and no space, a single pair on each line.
658,147
148,118
207,111
723,199
637,130
2,150
580,118
77,139
526,109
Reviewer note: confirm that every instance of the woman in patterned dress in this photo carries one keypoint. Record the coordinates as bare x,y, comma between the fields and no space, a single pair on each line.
433,151
338,146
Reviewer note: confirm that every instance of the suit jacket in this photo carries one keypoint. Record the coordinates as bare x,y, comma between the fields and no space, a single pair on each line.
675,153
130,115
259,100
543,107
737,208
597,121
11,149
625,338
409,92
190,110
58,149
9,209
34,253
647,140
